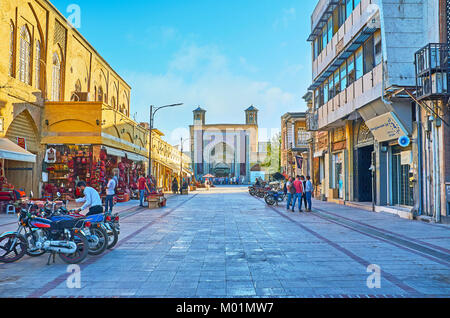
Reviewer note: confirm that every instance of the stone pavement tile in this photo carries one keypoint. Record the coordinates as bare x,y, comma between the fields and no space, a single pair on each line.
151,292
267,283
162,275
134,276
184,284
270,292
181,292
294,283
239,278
211,285
242,292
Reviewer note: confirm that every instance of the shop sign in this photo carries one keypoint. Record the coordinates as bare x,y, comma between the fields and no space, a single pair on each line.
22,142
339,146
406,158
322,141
386,127
299,162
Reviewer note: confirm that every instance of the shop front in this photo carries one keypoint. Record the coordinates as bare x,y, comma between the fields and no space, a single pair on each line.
337,164
395,162
14,183
319,176
91,142
363,160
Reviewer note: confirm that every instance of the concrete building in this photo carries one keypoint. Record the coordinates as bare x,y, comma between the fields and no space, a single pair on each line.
225,150
363,76
294,145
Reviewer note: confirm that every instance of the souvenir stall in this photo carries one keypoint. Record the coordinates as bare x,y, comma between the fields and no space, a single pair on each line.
64,166
120,164
13,179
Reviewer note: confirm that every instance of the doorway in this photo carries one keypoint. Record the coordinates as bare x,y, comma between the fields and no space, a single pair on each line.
402,188
363,176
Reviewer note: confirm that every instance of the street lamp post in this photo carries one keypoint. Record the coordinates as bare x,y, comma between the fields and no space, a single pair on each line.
153,111
181,168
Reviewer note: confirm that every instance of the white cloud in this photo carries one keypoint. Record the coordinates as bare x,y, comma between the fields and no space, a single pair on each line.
286,16
201,75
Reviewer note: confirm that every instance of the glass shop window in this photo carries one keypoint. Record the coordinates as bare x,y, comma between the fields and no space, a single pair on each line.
359,63
377,44
343,71
337,83
369,51
351,70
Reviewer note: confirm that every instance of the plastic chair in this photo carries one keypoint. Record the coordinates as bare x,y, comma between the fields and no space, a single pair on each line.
10,209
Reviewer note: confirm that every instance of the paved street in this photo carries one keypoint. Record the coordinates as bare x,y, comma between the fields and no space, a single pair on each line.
225,243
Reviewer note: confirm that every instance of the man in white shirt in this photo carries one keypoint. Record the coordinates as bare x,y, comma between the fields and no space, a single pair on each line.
110,192
91,199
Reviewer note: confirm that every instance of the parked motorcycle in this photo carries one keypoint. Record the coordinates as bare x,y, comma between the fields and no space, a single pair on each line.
36,235
274,197
112,228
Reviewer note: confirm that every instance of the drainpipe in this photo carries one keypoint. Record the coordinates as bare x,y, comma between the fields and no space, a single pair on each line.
419,159
437,192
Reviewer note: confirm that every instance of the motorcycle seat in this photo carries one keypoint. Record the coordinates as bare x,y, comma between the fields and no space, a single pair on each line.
66,224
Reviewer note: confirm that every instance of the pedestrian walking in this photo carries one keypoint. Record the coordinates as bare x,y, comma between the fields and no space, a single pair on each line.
110,192
91,199
142,186
174,185
298,185
303,200
290,193
308,190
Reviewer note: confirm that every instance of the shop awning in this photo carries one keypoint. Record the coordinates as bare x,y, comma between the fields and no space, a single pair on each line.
114,152
10,151
319,154
135,157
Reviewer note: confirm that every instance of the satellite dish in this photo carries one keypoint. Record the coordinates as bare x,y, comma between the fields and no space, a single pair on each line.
404,141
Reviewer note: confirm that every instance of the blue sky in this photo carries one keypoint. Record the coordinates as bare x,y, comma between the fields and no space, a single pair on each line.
223,55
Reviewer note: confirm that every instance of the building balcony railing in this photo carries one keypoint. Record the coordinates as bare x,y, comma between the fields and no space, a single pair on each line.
312,121
361,92
432,66
359,18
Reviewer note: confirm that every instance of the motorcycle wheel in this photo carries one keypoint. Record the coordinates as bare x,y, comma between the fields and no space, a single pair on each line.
81,252
18,250
113,237
102,244
269,200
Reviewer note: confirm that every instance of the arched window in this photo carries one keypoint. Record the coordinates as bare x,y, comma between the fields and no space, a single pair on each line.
37,65
100,94
125,103
78,86
113,102
25,56
56,78
11,49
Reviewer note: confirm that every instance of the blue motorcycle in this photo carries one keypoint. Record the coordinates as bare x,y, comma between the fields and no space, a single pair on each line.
274,197
96,235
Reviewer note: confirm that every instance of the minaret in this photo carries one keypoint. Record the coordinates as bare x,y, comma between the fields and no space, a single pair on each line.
251,116
199,116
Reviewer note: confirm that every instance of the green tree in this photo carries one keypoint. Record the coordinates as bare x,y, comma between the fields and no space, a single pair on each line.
272,163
